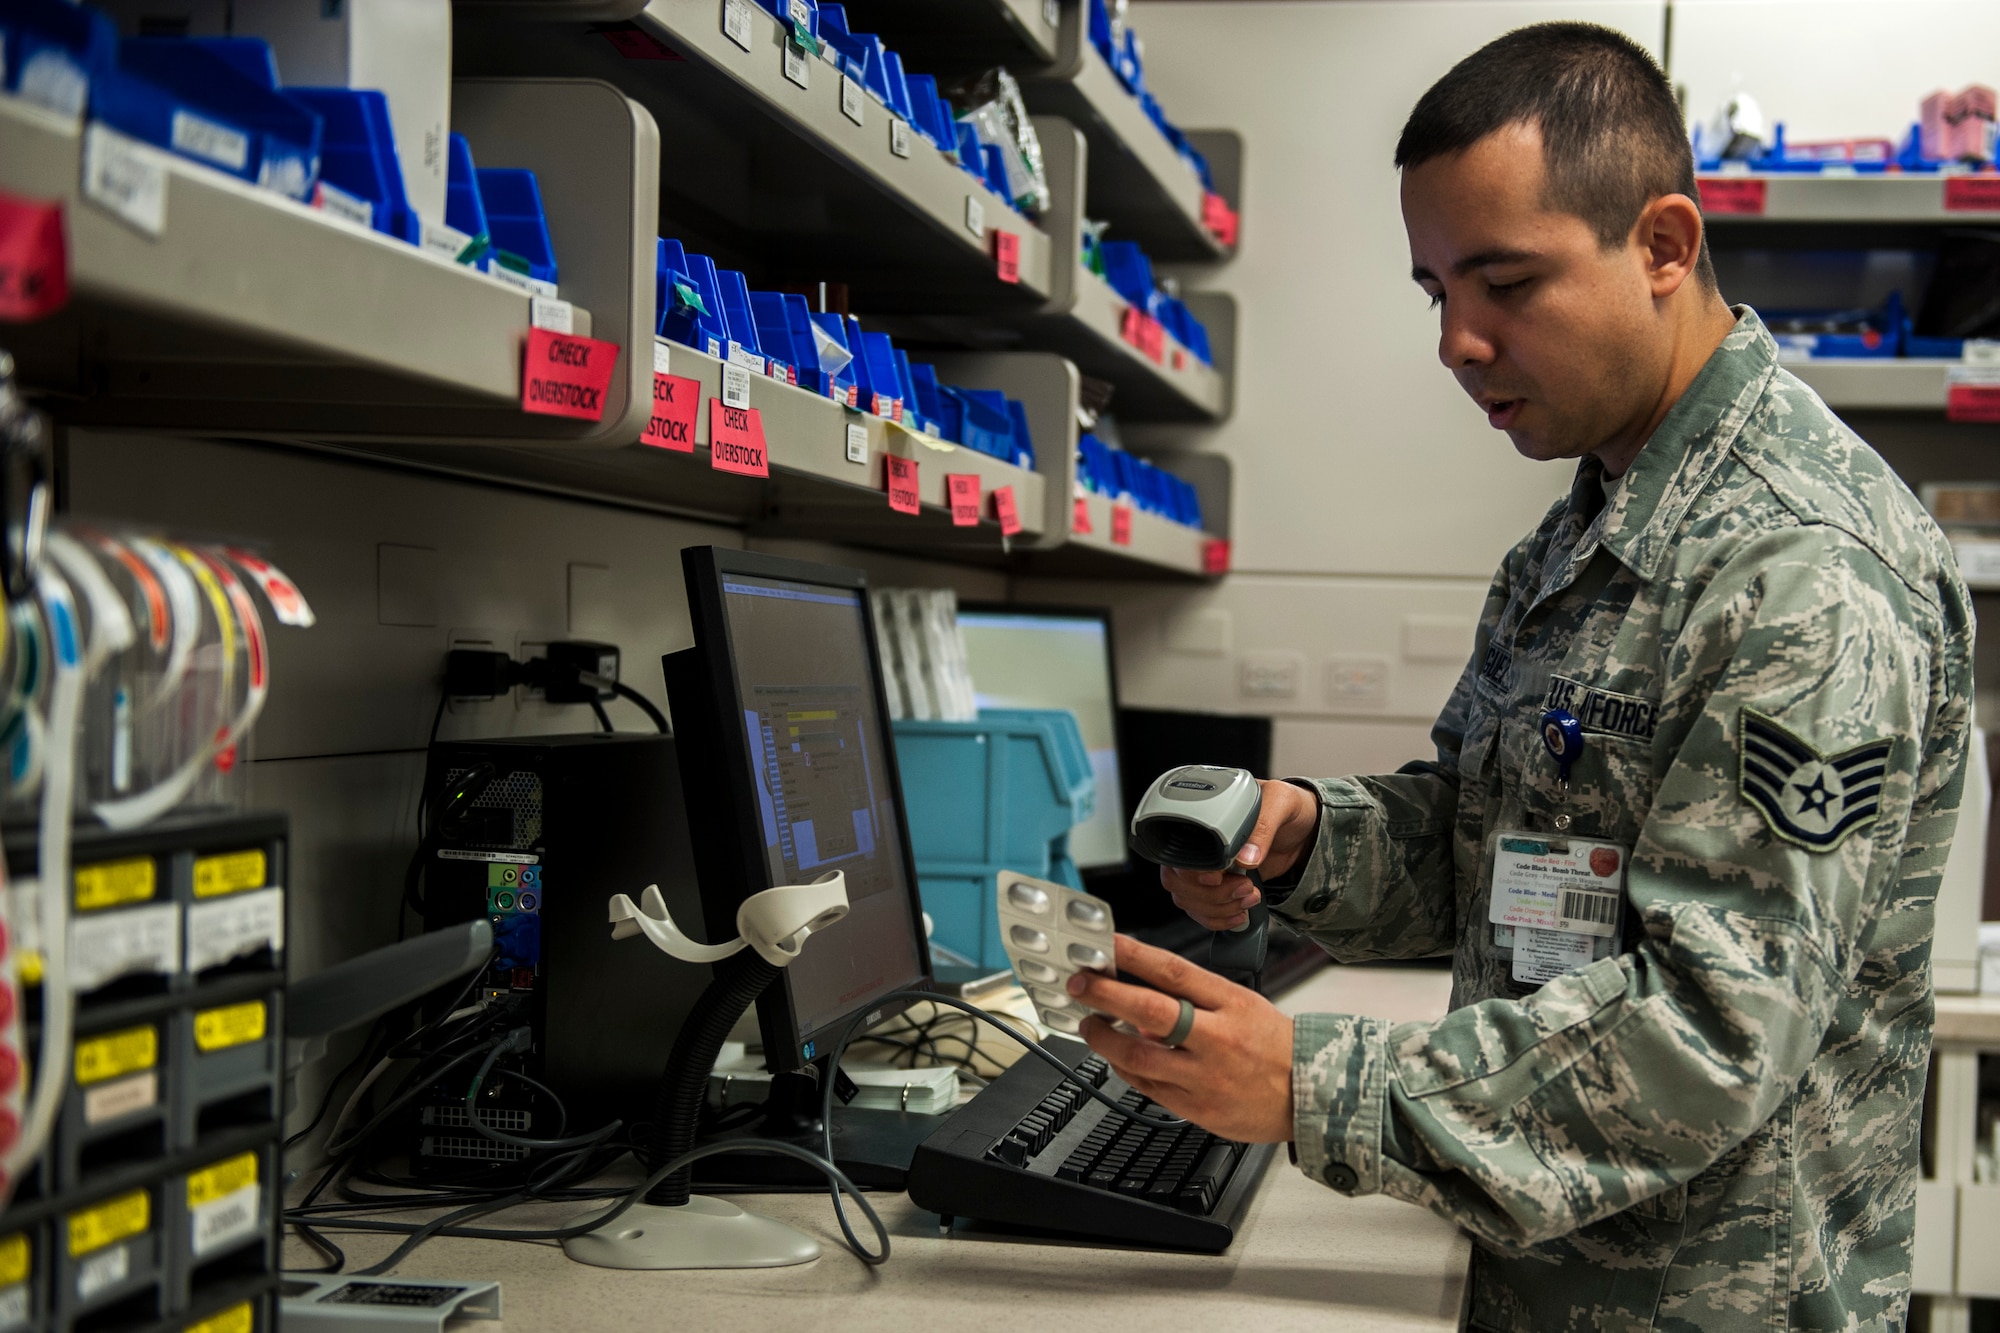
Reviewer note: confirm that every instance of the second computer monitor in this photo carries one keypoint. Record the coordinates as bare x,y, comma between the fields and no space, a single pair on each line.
1057,657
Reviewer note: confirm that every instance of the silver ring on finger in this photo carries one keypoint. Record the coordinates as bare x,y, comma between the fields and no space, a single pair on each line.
1182,1026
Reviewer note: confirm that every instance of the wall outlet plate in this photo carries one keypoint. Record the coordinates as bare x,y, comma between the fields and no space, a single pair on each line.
1357,683
1269,675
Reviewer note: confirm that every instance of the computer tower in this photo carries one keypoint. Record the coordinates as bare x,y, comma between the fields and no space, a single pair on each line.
563,823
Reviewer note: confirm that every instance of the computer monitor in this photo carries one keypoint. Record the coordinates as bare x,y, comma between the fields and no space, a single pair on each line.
1057,657
789,772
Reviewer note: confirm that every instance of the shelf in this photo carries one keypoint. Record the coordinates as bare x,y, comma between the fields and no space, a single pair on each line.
1886,383
1157,548
945,37
813,490
1968,1021
250,313
773,178
547,11
1138,182
1862,200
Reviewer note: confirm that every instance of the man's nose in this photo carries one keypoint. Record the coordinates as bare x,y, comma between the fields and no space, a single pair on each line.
1461,342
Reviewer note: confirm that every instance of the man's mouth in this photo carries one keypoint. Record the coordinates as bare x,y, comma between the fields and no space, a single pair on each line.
1500,412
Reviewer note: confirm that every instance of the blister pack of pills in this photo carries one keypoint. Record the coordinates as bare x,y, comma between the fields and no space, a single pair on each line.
1052,932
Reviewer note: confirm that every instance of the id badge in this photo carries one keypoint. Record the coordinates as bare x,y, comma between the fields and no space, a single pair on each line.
1558,901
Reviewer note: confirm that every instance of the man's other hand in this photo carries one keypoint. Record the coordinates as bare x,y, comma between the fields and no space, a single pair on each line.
1286,827
1232,1075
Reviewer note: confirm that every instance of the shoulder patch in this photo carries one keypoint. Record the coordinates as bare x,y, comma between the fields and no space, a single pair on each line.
1806,797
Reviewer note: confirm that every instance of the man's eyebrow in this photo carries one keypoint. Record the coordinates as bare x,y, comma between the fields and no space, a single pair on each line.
1479,259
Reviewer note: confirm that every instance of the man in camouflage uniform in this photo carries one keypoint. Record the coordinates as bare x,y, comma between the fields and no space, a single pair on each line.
1713,1127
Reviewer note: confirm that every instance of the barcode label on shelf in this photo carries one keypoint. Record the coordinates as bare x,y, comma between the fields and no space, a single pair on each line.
662,356
795,65
234,926
676,400
551,313
850,98
223,1203
899,136
1004,509
736,22
735,385
125,177
975,216
204,139
736,440
1588,913
106,946
902,483
962,489
857,442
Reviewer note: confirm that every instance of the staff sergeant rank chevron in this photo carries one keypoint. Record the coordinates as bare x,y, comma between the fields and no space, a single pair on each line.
1806,797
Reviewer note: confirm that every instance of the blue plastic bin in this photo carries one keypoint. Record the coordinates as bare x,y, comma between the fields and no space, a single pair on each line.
736,316
55,52
515,221
358,154
774,332
212,100
1001,793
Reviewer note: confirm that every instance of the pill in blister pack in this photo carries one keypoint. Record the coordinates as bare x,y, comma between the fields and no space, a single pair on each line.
1050,933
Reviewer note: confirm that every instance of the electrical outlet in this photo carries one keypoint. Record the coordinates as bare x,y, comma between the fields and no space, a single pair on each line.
1359,683
478,640
1269,675
525,648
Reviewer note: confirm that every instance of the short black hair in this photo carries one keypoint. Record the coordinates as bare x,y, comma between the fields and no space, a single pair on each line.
1612,136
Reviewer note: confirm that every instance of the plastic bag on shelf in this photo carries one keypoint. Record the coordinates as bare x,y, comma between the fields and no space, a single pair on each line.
1001,118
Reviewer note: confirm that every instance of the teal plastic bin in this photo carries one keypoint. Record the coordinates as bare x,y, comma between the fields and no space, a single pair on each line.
1001,793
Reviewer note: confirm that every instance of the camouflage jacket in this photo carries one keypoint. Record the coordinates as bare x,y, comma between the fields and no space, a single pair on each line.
1713,1127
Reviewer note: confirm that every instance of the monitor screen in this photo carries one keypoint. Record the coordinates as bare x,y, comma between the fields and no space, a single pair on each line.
1056,658
826,798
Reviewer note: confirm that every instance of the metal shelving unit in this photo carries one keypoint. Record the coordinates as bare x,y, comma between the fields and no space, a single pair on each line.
248,312
1887,383
814,489
1136,179
1740,199
775,178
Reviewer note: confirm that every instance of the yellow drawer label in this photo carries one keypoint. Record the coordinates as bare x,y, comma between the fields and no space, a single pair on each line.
32,967
230,873
14,1259
115,1053
223,1178
236,1319
109,1222
110,883
231,1025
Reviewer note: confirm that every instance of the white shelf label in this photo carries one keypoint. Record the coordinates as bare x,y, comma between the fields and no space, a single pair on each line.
736,22
100,1272
661,356
532,286
801,13
744,357
1052,13
125,177
108,1101
104,946
443,242
234,925
14,1306
735,385
857,442
220,1221
899,136
975,216
549,313
850,98
795,65
338,203
210,142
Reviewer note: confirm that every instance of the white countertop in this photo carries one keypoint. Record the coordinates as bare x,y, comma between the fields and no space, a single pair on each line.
1306,1258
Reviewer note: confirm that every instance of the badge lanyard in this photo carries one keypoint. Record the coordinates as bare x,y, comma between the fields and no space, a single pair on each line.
1557,900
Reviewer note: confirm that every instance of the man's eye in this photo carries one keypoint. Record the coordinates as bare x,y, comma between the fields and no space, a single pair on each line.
1506,288
1437,299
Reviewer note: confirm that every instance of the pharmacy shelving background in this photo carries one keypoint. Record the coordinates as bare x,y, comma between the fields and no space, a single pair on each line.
204,301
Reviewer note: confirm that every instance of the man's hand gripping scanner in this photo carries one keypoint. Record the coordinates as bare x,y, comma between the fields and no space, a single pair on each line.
675,1228
1197,817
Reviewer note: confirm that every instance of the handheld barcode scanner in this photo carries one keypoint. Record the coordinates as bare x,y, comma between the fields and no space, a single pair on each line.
1197,817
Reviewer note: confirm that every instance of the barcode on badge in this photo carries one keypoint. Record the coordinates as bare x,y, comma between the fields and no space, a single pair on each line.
1597,909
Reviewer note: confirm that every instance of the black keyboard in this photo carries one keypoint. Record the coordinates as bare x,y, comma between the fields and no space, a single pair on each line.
1033,1150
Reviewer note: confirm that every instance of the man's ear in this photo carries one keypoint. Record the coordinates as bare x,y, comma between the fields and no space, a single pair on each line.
1668,235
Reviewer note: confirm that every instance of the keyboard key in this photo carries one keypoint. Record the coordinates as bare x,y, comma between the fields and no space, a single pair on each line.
1101,1179
1161,1191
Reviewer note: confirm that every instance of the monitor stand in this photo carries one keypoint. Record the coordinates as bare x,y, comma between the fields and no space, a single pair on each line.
874,1148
